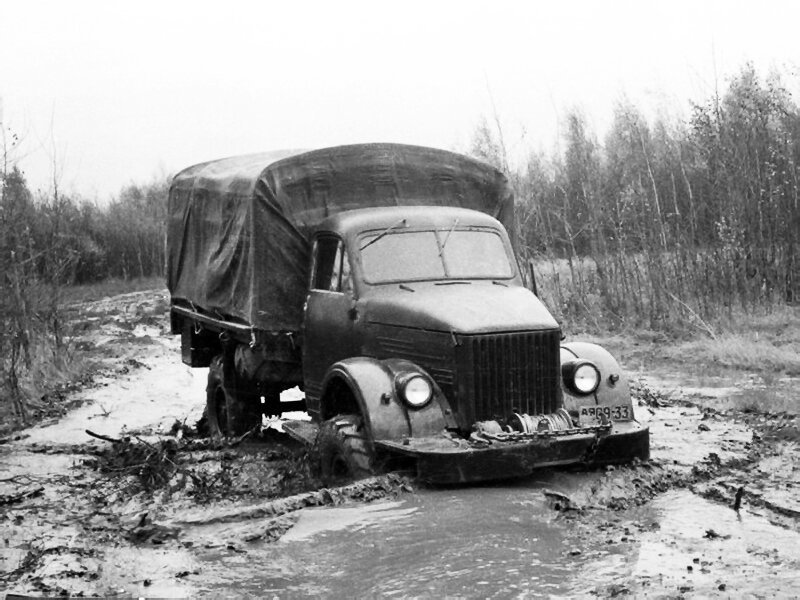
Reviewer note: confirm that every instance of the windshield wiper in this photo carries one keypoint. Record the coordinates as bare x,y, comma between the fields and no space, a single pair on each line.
383,233
447,237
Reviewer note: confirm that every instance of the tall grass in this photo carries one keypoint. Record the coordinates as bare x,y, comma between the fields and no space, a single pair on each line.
751,342
749,351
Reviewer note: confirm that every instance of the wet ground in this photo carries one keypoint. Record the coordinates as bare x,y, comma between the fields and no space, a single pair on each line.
248,521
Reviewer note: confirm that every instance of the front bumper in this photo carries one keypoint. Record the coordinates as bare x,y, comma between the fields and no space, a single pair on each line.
444,459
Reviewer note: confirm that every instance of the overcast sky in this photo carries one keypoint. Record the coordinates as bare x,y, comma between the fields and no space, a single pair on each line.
122,92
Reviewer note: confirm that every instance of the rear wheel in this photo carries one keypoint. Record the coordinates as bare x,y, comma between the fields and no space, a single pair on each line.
344,450
229,412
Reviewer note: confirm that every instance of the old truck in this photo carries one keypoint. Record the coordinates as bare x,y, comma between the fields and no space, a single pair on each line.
380,280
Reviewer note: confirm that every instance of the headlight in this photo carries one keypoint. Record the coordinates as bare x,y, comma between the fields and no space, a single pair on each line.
580,377
416,390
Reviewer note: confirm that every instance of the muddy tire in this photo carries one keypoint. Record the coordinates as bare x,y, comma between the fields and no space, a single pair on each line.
227,413
343,450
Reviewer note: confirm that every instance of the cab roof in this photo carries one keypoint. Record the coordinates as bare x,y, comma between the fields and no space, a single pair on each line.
411,217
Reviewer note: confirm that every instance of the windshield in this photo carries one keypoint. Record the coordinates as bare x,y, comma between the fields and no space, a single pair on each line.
421,255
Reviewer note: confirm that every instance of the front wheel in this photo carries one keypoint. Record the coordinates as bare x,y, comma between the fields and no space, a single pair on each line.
229,413
344,450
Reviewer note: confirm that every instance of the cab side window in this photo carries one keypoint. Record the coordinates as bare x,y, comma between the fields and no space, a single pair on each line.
346,284
331,267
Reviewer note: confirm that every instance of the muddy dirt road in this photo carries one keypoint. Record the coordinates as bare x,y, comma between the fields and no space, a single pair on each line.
160,513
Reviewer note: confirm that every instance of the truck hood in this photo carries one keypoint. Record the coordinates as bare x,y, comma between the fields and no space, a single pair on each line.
476,307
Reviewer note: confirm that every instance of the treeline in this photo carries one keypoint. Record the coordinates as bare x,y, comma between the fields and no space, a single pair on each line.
90,242
51,241
123,238
667,223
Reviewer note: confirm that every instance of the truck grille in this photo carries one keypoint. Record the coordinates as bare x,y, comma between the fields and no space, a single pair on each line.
511,372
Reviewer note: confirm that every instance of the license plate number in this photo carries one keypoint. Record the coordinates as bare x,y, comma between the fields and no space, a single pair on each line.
615,412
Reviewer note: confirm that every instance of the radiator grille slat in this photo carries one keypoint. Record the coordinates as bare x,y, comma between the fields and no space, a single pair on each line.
510,372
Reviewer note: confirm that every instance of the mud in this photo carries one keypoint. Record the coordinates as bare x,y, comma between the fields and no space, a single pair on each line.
80,515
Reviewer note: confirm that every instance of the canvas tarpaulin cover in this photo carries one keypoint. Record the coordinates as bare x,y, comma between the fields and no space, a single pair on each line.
239,228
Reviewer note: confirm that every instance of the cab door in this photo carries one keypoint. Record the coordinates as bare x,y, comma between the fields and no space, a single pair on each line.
330,332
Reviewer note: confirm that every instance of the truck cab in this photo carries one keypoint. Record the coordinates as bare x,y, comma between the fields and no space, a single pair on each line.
419,331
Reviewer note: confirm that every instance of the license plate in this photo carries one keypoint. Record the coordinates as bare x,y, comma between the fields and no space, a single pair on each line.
614,412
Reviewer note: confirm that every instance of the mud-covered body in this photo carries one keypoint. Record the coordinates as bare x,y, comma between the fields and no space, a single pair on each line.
419,333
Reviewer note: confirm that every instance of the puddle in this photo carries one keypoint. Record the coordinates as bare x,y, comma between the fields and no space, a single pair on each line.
149,398
313,521
491,541
146,331
681,435
22,464
766,392
692,545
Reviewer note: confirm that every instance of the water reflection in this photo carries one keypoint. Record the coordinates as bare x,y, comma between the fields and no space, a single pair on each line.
494,541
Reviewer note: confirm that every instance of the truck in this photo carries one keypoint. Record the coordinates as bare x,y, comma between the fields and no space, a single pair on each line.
382,281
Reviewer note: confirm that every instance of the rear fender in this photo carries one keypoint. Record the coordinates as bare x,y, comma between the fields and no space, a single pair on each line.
613,388
385,414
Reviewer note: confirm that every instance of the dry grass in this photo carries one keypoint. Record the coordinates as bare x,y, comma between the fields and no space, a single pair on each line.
749,351
51,367
46,385
765,342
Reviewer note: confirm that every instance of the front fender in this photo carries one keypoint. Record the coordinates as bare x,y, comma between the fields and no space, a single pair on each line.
609,392
385,414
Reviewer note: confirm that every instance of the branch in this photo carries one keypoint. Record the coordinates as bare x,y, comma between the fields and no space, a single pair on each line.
105,438
703,325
